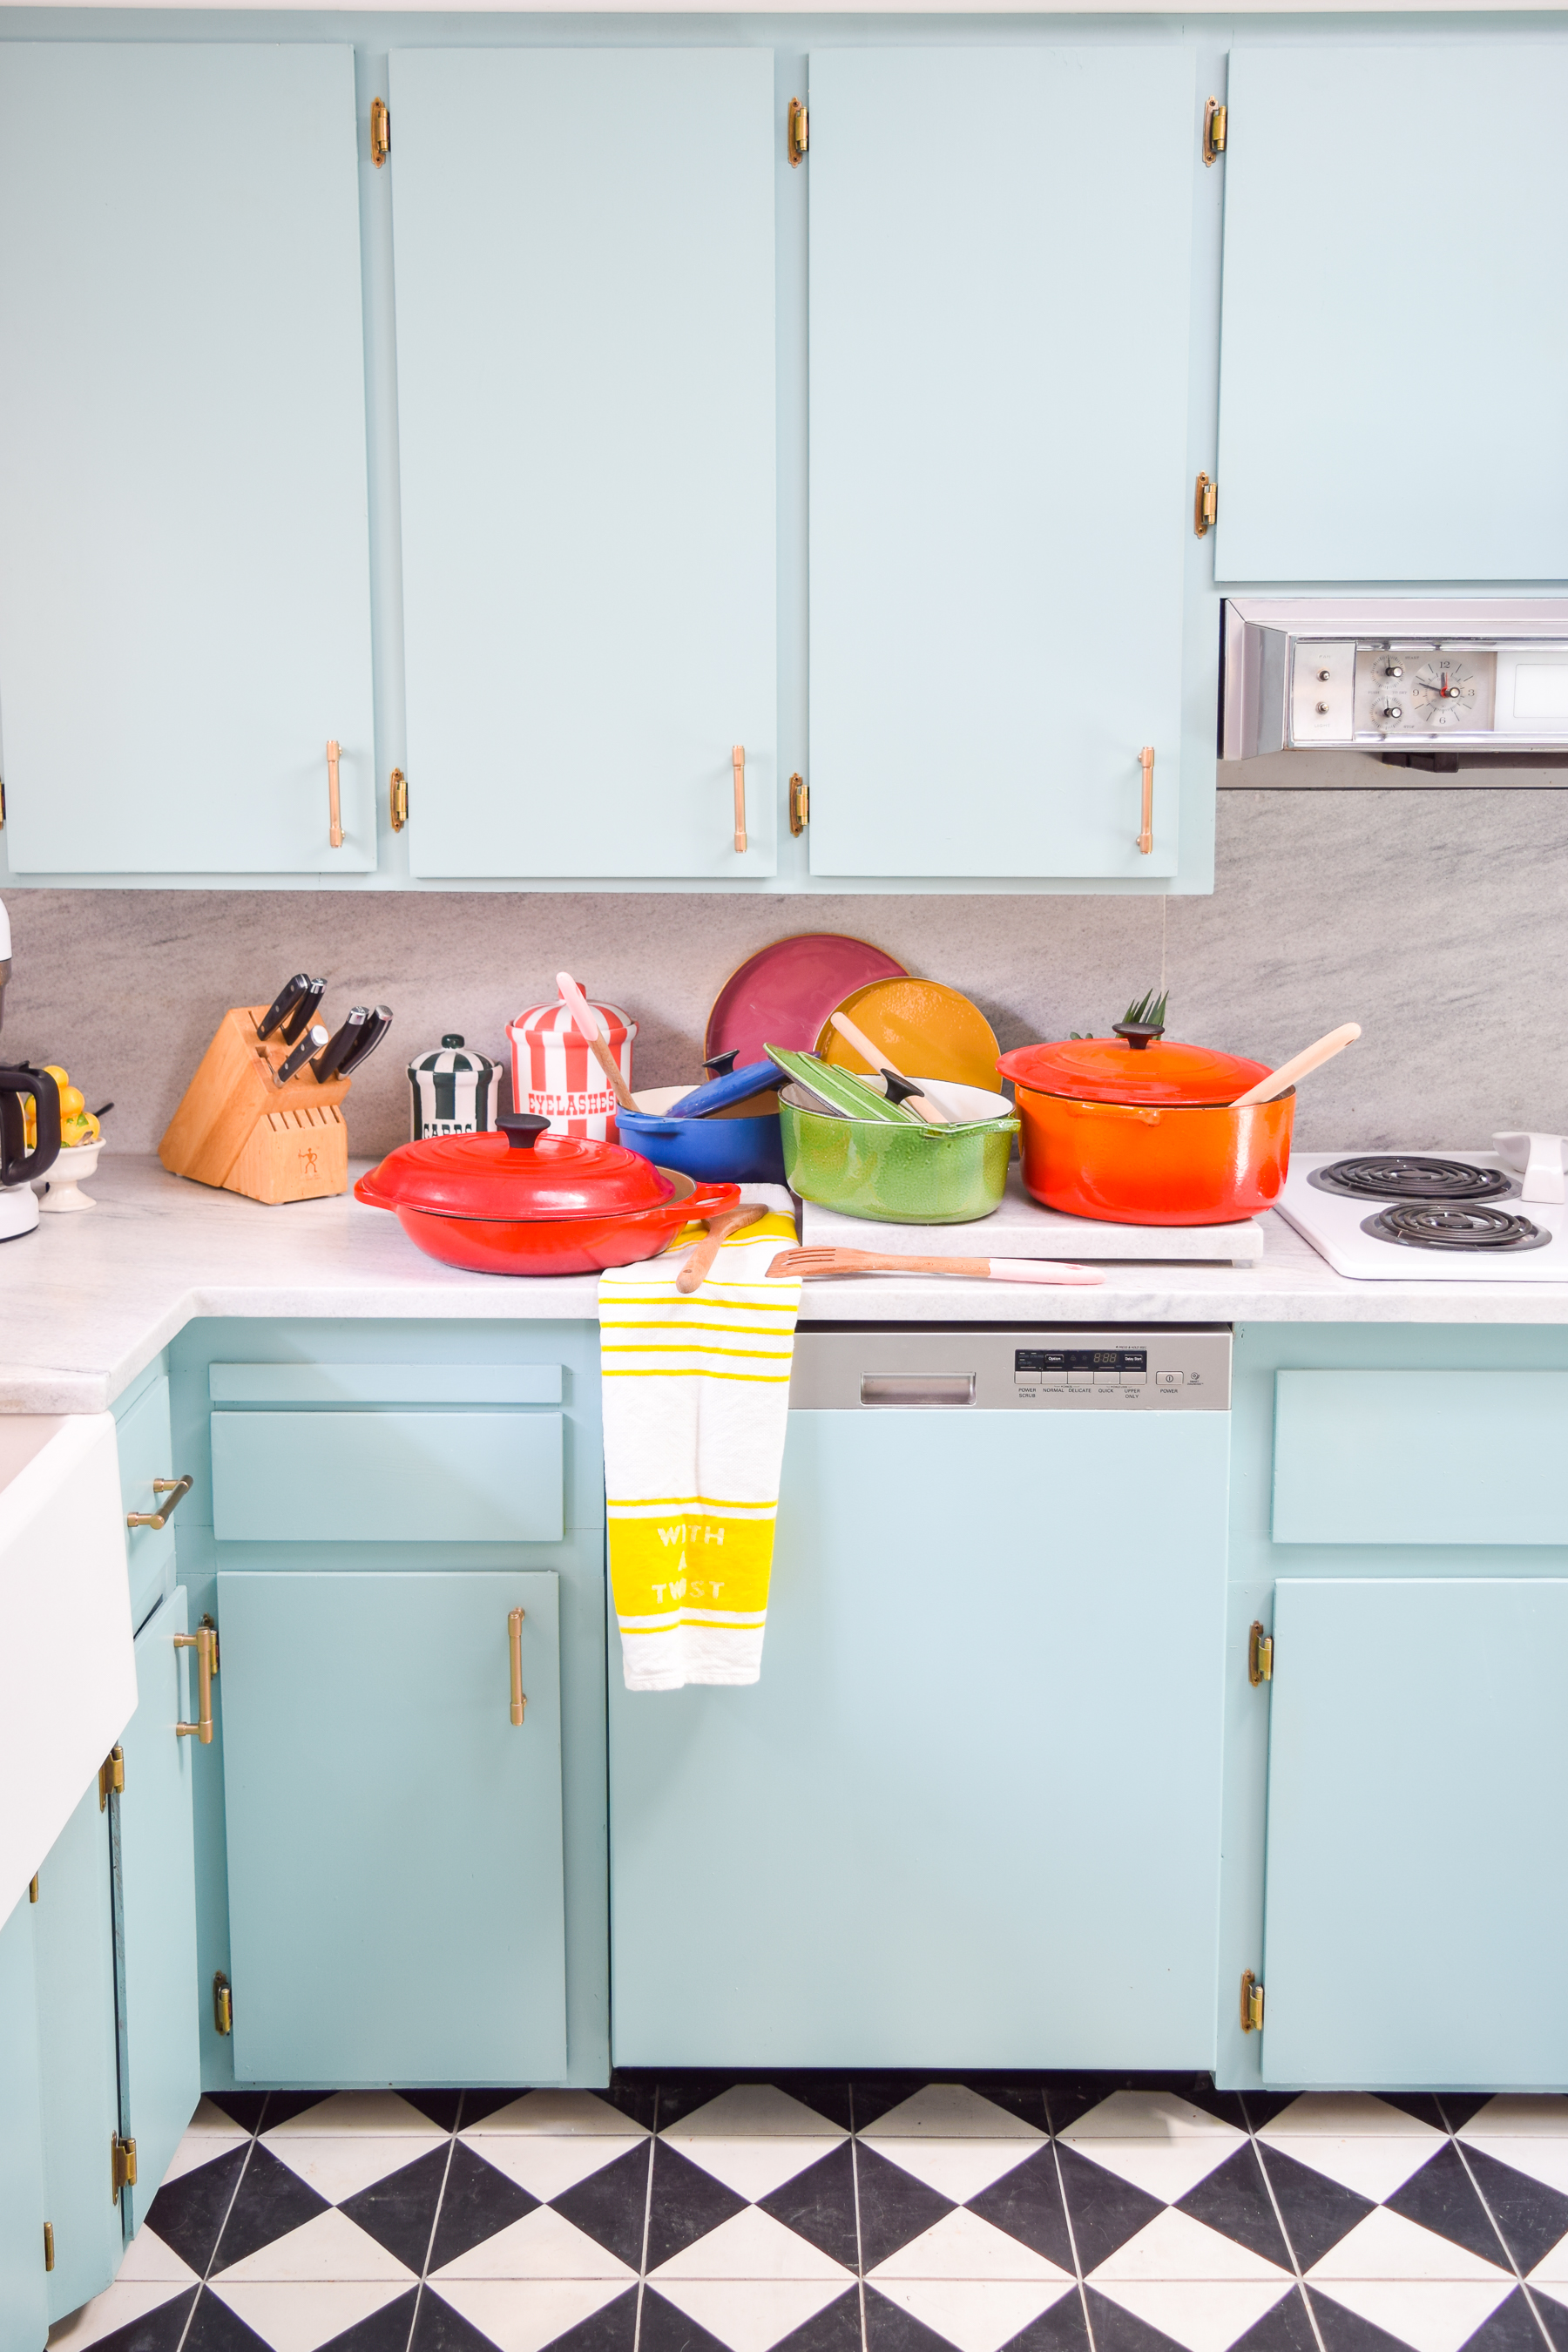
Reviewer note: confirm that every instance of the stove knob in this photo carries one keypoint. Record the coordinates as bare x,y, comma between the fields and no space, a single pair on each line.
1391,669
1322,710
1391,711
1324,676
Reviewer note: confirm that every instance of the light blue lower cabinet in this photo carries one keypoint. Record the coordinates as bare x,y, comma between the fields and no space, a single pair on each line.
73,1931
160,2057
24,2299
969,1814
1416,1893
395,1840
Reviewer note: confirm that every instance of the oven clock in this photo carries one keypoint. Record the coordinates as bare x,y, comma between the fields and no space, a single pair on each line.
1443,692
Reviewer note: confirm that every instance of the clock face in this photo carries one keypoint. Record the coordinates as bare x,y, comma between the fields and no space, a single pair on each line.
1443,692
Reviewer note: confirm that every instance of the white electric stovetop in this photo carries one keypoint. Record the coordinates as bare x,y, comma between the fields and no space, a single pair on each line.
1462,1231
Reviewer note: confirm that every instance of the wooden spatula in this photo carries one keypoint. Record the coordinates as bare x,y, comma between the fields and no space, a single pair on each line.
700,1264
583,1014
930,1107
981,1269
1311,1057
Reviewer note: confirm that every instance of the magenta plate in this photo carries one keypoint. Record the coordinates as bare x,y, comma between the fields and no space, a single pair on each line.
782,994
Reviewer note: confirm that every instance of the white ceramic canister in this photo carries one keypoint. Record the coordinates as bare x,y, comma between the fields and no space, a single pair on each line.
454,1091
555,1075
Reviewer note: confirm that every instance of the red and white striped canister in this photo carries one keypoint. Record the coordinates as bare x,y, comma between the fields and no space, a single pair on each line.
554,1074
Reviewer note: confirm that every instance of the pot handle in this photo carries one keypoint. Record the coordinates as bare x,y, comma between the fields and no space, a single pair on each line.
707,1201
1118,1111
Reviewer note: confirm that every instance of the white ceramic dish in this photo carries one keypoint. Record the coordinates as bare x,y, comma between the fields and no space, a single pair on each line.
57,1192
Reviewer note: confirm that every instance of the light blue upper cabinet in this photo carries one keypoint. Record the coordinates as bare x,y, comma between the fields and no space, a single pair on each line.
585,282
1394,366
184,600
1000,503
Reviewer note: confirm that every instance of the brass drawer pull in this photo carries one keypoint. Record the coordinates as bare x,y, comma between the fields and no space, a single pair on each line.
1146,834
334,806
203,1642
738,762
514,1629
176,1490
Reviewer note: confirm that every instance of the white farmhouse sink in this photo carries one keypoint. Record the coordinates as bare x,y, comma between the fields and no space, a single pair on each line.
67,1675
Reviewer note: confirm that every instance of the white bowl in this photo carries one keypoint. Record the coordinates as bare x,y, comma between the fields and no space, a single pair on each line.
56,1191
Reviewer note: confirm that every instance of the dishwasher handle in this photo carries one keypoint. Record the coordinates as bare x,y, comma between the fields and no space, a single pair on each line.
917,1389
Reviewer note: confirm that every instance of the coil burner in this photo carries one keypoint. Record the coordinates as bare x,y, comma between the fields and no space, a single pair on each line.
1402,1176
1421,1225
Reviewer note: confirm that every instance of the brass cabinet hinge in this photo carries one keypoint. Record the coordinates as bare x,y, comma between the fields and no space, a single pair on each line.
49,2245
1259,1654
223,2003
799,803
2,803
1215,120
797,130
122,2166
1251,2003
398,794
33,1887
380,132
1206,505
112,1775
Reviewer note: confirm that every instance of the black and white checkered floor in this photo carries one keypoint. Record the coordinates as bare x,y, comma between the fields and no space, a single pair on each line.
837,2216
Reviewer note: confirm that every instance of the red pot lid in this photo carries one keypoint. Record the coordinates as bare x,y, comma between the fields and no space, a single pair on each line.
523,1173
1121,1070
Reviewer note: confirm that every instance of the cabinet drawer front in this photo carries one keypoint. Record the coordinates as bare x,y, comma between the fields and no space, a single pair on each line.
395,1840
1420,1457
387,1477
384,1384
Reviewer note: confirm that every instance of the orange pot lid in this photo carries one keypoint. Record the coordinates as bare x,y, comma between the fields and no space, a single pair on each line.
1132,1070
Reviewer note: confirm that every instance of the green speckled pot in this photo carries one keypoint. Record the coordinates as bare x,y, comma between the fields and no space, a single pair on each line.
897,1175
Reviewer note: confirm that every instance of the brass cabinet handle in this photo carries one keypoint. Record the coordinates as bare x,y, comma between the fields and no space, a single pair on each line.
738,762
1146,762
176,1490
334,806
203,1642
514,1630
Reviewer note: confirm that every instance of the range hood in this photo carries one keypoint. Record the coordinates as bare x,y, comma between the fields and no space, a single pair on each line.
1439,683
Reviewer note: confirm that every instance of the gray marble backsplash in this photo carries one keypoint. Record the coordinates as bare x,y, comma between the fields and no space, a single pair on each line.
1437,919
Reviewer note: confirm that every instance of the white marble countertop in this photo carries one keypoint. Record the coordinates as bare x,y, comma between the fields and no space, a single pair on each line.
87,1301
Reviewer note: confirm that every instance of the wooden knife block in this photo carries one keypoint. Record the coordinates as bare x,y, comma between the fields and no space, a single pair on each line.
238,1130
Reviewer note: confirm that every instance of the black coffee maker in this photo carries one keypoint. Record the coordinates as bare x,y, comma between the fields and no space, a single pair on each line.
18,1166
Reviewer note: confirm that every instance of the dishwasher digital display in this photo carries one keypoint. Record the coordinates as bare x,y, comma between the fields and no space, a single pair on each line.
1080,1360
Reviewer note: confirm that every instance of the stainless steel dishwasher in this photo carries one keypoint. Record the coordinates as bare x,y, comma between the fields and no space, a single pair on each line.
970,1815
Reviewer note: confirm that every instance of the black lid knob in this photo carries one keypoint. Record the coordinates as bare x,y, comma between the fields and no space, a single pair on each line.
718,1065
898,1089
522,1128
1140,1035
452,1039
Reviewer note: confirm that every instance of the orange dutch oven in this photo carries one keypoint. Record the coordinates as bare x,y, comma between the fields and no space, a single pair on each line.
1140,1130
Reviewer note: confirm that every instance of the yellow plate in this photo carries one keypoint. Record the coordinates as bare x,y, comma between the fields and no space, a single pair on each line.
927,1031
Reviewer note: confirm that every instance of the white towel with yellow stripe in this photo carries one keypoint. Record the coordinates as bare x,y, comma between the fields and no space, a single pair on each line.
696,1401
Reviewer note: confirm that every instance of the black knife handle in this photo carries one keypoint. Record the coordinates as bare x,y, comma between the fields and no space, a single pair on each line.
328,1062
285,1001
304,1012
370,1037
314,1038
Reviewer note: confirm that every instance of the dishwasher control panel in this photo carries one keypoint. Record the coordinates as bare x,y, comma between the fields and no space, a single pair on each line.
1171,1368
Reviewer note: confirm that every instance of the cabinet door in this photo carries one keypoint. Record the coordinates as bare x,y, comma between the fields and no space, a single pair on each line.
972,1805
1418,1869
161,2056
23,2301
585,422
1000,503
73,1930
146,1452
395,1840
184,604
1366,228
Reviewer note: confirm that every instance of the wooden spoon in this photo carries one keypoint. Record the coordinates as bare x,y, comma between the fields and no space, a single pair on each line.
983,1269
1311,1058
587,1023
700,1264
930,1107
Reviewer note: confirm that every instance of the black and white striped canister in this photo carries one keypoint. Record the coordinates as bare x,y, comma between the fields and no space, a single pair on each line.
454,1091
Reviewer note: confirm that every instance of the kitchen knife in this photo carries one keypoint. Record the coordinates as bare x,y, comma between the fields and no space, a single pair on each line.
304,1012
327,1065
285,1001
314,1038
370,1037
